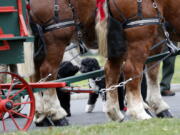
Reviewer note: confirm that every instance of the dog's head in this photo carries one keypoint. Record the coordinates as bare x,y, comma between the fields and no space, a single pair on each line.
89,64
67,69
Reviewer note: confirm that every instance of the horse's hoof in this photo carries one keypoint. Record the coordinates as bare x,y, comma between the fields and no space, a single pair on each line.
149,112
61,122
44,123
165,114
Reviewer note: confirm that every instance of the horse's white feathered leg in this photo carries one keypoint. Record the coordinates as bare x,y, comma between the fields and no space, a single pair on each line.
39,115
112,110
135,107
154,97
52,105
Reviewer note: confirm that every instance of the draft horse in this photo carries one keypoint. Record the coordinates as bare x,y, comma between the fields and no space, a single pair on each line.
64,21
144,25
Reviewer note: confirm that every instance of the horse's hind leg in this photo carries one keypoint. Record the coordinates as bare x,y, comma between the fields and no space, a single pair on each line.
135,104
133,68
154,97
112,71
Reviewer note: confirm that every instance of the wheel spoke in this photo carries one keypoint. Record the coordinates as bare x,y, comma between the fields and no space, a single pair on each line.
14,121
11,92
3,123
20,114
10,98
10,88
1,93
17,104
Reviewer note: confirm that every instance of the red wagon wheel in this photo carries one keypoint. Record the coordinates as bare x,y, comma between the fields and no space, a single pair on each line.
17,103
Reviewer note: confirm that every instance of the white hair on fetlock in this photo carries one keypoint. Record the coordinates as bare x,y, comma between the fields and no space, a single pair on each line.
154,98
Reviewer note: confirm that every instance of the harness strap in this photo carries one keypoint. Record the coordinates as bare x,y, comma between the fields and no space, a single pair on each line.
139,12
56,11
142,22
56,19
43,44
119,10
62,24
158,44
155,6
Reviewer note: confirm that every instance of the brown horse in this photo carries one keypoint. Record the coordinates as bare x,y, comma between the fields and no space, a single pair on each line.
45,13
139,40
141,36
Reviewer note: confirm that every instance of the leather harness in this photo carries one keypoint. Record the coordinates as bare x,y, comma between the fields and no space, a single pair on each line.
139,20
135,21
56,23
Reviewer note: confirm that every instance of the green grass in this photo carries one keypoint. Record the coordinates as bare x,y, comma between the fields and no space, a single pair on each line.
146,127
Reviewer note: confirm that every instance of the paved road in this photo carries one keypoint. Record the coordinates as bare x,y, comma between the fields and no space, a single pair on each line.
79,117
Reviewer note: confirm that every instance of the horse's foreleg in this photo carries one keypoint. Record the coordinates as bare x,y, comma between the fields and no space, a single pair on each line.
112,71
47,104
50,65
154,97
39,115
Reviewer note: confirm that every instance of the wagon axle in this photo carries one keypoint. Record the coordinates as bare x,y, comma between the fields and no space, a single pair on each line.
6,105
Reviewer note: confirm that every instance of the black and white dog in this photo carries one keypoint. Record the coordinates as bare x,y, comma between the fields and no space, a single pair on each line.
91,64
88,65
66,69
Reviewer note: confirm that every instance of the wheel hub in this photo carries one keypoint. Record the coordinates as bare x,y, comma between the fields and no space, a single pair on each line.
6,105
9,105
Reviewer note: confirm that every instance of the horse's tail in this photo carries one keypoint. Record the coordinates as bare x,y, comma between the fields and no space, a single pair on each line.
102,26
26,69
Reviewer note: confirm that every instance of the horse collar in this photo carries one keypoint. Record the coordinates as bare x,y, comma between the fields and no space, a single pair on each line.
57,23
139,20
56,11
139,12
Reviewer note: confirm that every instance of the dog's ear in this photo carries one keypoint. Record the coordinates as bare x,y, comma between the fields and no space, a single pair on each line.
65,64
67,69
82,69
94,64
89,64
